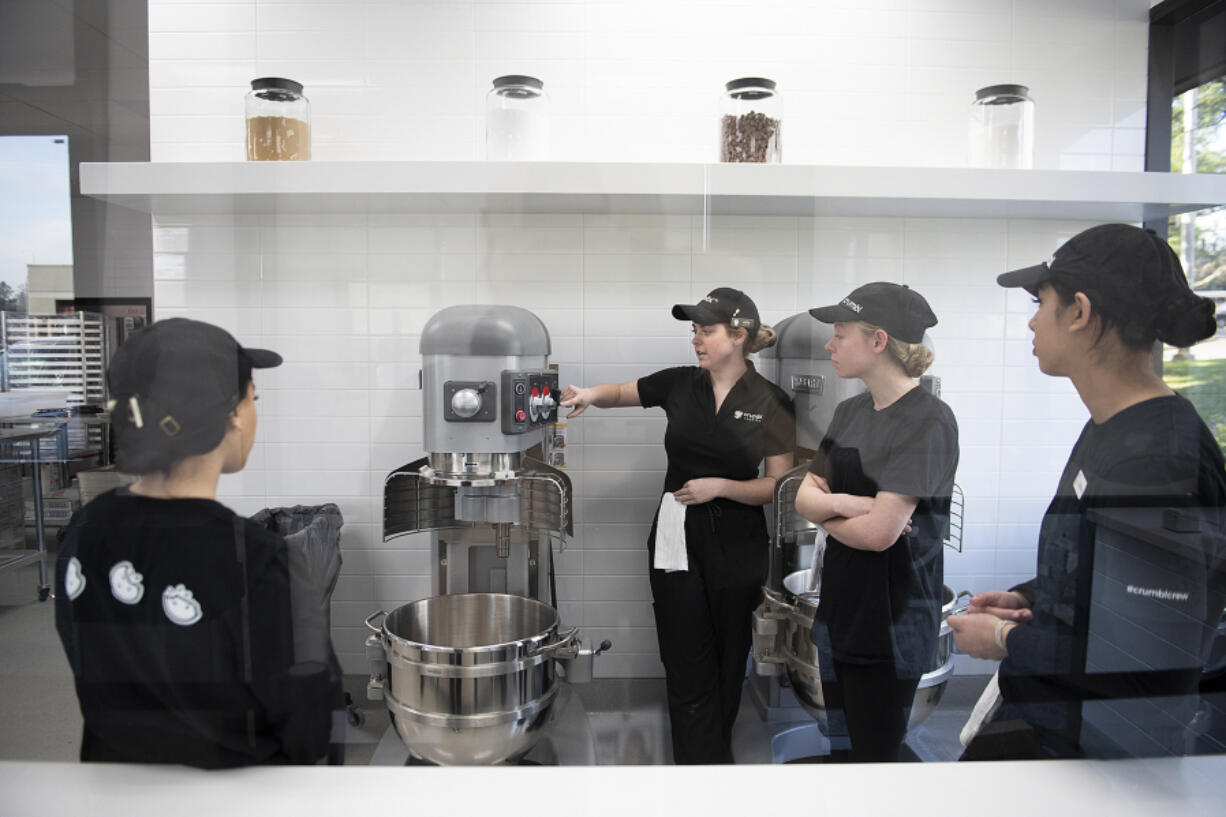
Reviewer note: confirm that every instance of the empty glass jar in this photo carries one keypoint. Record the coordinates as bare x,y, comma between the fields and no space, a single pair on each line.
517,120
278,121
1002,127
749,129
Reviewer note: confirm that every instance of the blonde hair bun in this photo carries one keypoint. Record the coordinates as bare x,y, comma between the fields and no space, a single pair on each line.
764,338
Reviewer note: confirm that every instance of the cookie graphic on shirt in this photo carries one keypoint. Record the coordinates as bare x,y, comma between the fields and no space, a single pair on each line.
126,583
74,580
180,605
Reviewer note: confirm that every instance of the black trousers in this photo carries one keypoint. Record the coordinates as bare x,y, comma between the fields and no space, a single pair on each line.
703,622
875,705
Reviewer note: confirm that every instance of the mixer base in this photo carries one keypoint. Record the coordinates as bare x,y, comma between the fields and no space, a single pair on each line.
567,739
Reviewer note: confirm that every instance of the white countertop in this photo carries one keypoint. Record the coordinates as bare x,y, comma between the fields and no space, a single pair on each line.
1176,786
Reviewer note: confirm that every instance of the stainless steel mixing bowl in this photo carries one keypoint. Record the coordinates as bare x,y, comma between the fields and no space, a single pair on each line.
470,677
796,609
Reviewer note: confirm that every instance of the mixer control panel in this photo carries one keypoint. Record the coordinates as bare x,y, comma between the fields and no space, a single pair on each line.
529,400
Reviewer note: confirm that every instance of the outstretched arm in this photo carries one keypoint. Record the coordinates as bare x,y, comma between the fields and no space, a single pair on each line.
605,395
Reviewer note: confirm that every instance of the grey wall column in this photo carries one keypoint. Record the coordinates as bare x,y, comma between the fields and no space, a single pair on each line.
81,68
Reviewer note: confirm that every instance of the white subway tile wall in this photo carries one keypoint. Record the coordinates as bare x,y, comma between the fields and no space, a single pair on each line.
887,82
344,297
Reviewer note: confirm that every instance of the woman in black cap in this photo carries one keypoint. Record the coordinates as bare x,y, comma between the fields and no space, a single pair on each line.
1105,297
176,613
708,541
880,486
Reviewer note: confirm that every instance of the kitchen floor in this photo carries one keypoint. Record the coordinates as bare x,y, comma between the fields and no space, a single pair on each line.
628,719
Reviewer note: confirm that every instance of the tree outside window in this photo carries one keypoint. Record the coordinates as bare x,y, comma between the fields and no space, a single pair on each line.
1198,145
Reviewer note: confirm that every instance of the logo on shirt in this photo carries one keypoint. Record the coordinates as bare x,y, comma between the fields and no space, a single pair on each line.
181,606
852,305
74,580
1157,593
126,584
746,416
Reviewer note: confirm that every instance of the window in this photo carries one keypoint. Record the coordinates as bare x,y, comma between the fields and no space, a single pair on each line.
1187,134
35,223
1198,145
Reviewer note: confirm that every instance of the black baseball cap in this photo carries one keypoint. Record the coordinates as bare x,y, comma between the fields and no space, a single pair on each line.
899,310
722,305
1117,258
174,383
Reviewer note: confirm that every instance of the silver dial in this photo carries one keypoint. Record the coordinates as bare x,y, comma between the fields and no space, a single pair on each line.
466,402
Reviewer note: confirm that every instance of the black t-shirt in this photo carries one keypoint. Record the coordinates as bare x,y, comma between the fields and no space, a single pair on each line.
1157,453
755,421
176,619
886,605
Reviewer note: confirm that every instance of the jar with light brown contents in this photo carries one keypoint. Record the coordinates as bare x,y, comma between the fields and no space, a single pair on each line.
750,128
278,121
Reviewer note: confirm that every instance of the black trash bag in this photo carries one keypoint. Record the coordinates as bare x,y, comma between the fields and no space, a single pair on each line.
313,533
313,536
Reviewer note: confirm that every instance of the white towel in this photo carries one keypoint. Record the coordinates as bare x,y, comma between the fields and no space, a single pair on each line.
670,535
984,709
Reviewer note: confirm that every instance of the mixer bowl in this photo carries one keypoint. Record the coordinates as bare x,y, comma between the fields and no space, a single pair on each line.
800,652
471,677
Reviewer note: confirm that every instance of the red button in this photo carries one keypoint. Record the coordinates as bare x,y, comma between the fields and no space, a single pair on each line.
521,415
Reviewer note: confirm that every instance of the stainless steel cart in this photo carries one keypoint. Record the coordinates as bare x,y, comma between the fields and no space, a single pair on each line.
25,446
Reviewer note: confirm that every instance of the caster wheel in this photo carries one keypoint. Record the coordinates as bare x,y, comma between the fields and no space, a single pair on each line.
44,593
355,717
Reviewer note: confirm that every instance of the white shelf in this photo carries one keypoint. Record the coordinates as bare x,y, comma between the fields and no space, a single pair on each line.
558,187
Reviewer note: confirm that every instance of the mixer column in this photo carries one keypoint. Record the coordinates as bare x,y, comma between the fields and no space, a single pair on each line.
502,540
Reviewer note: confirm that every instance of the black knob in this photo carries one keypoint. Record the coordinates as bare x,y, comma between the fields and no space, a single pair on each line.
604,645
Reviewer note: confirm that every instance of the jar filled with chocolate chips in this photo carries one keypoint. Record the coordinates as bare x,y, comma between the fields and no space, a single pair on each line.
749,129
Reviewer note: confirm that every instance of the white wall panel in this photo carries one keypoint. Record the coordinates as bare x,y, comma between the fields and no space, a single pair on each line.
335,320
300,430
631,533
616,562
623,484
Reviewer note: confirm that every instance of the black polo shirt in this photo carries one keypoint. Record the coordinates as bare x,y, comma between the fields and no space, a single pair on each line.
755,421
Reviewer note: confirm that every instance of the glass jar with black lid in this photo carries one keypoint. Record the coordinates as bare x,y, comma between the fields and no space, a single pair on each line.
751,122
278,121
1002,128
516,120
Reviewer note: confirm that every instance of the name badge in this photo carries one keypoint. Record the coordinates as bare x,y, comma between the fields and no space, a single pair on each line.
1080,483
